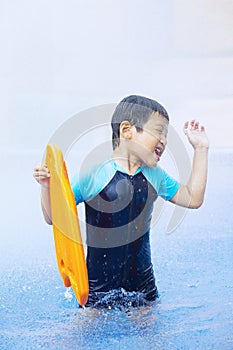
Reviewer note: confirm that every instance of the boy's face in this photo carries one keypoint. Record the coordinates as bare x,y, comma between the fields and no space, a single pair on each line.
147,146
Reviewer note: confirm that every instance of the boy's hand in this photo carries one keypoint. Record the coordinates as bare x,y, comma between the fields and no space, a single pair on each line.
42,175
196,134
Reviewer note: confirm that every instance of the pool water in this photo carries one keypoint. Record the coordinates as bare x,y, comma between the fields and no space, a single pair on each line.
193,267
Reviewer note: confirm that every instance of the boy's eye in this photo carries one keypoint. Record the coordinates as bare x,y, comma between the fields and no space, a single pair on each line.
160,131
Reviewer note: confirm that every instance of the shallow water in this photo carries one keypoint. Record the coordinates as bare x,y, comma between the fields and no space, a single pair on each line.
193,268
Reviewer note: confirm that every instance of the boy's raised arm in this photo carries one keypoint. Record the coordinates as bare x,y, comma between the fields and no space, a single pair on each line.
191,195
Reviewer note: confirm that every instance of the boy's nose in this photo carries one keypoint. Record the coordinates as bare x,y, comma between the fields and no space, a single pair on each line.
163,140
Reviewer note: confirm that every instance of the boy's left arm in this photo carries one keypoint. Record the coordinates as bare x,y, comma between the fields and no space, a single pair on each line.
191,195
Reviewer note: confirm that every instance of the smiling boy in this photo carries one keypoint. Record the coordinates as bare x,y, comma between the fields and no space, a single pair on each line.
119,196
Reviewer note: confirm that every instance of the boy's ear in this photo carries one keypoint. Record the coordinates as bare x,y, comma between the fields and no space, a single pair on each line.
126,130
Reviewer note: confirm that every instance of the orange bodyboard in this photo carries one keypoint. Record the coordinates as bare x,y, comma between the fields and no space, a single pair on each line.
67,236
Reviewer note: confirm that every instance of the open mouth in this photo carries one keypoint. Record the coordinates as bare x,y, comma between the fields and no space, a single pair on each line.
158,151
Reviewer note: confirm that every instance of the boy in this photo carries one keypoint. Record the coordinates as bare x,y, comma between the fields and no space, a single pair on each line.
119,196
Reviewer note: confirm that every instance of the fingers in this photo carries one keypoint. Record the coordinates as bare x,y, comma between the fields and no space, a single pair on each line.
41,172
186,127
186,124
193,125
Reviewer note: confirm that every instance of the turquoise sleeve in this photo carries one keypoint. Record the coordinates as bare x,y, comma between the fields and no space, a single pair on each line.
76,190
165,186
91,181
168,186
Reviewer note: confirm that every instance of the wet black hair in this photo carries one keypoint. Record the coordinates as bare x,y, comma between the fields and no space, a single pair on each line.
136,110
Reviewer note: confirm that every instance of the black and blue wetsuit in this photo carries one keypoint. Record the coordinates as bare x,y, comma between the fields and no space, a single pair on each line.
118,210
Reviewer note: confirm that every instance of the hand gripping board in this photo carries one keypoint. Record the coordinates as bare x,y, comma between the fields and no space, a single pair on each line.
67,236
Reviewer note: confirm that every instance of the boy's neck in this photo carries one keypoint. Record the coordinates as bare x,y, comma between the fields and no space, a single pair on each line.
125,160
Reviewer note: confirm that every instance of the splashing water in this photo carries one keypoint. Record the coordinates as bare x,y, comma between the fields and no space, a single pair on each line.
119,299
68,294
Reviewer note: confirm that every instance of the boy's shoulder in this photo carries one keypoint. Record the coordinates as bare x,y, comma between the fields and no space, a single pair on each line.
92,178
96,170
165,185
154,174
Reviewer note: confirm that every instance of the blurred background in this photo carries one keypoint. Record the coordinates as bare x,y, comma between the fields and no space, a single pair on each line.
61,57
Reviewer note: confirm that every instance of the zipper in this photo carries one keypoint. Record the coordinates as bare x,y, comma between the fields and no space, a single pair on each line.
131,177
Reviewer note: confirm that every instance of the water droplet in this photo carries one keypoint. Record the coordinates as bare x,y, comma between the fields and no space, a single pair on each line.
68,294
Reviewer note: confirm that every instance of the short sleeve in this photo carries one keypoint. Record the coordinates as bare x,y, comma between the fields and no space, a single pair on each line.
165,186
89,182
76,190
168,186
